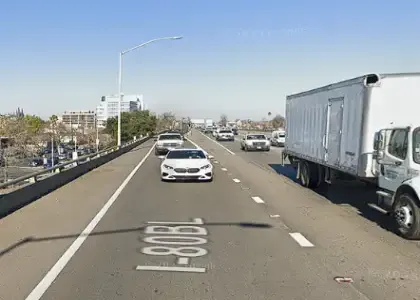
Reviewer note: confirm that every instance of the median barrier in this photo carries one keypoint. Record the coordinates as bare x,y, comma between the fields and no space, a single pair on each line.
59,176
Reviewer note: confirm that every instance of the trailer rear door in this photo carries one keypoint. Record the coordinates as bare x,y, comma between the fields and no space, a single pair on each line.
334,130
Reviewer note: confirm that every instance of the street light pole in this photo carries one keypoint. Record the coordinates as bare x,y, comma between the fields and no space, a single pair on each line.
120,77
119,99
97,136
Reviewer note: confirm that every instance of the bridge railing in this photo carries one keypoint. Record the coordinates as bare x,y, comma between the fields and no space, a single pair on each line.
63,167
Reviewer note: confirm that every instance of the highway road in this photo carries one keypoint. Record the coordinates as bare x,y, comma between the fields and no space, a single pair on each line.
116,233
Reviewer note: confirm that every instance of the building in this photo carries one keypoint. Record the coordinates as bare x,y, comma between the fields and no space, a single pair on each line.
108,108
79,119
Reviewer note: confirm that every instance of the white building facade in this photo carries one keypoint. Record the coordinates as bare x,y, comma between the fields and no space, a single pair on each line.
108,108
78,119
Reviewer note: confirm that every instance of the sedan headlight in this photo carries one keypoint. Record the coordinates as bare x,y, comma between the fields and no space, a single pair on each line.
168,167
205,167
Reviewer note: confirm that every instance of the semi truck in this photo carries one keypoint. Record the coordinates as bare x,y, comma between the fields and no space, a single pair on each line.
366,128
208,126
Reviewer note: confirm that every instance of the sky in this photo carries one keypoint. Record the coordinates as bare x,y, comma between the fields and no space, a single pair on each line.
237,57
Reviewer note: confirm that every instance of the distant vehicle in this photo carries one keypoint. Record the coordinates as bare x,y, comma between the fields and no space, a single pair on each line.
255,142
186,164
214,132
48,163
208,129
278,138
235,131
167,142
225,135
36,162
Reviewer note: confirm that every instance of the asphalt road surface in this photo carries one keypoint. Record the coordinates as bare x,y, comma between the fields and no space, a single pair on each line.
249,234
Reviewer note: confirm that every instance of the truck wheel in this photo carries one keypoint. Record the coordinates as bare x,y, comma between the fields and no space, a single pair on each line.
406,214
308,174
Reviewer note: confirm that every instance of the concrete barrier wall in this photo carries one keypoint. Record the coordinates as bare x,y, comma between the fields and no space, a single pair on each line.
19,198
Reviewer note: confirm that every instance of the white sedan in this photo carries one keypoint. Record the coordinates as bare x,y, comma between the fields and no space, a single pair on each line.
186,164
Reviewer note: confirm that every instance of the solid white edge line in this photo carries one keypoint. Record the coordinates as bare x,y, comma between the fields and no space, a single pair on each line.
52,274
195,144
236,180
258,200
216,142
301,240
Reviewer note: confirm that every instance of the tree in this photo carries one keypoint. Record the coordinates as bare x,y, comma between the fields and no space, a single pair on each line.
111,127
278,121
223,120
166,121
34,124
133,124
14,129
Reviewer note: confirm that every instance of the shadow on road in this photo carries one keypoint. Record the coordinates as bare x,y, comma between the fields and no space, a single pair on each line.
32,239
353,193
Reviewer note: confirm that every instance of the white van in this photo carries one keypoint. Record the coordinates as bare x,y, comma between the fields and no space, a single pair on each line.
278,138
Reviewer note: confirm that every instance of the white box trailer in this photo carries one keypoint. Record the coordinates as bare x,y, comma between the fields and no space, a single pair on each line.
349,128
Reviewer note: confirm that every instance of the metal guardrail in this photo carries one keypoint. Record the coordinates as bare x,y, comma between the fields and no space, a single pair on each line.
34,177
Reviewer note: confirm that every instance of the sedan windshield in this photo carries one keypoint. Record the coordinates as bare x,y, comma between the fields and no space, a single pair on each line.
416,145
225,131
256,137
170,137
186,154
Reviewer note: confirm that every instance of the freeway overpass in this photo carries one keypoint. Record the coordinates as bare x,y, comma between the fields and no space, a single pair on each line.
252,233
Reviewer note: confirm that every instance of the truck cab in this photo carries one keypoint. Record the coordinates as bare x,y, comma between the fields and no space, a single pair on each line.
397,165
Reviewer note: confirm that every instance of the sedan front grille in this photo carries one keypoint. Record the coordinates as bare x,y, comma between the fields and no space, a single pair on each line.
193,170
180,170
258,144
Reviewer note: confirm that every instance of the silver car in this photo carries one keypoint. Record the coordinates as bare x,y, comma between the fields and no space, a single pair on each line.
256,142
168,141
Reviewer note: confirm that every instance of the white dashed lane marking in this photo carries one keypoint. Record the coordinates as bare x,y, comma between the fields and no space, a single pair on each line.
224,169
301,240
236,180
257,200
228,150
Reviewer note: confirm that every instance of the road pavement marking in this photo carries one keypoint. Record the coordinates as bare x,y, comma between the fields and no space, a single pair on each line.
194,144
53,273
171,269
236,180
216,142
258,200
196,221
198,147
183,261
301,240
185,236
224,169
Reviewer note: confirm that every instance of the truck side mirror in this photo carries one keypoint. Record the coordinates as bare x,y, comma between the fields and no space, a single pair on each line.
380,155
378,141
